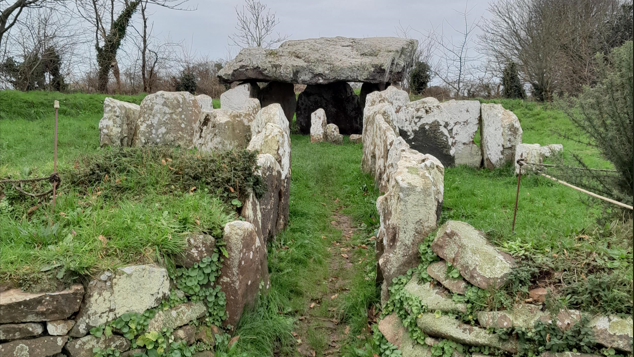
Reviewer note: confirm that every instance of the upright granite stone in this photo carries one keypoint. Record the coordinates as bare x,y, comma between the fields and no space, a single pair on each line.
272,113
367,88
118,124
167,119
324,60
378,136
318,123
282,94
205,102
244,270
464,122
338,100
223,129
18,331
37,347
397,98
501,133
236,98
263,213
477,260
17,306
534,155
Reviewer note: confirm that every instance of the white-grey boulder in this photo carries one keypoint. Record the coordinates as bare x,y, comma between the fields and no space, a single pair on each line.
118,124
501,133
236,98
223,129
206,102
318,126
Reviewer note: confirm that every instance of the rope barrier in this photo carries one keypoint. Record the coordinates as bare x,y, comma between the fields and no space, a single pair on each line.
620,204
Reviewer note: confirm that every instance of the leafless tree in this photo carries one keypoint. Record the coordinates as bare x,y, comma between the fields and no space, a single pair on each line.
424,51
255,26
10,11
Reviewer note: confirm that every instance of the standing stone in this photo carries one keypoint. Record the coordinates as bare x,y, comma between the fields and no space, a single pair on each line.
223,129
84,346
393,96
332,134
464,122
408,212
612,331
281,93
59,327
318,126
177,316
356,139
379,134
272,113
263,213
338,100
244,270
438,271
206,103
534,155
197,247
466,248
118,124
399,146
367,88
18,331
501,133
236,99
37,347
167,118
17,306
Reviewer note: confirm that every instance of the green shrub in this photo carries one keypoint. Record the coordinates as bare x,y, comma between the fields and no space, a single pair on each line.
186,83
419,77
513,88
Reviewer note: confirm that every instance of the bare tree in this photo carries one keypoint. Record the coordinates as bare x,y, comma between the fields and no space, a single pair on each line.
255,26
423,53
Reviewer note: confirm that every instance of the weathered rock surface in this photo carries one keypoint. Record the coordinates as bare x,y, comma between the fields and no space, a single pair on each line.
466,248
450,328
332,134
272,113
84,346
432,297
397,98
37,347
186,333
438,271
523,315
392,329
118,124
567,354
534,155
177,316
356,139
108,296
324,60
399,146
318,126
501,133
367,88
197,247
17,306
464,115
263,213
281,93
379,134
223,129
236,99
338,100
205,102
244,270
18,331
408,212
206,334
612,331
59,327
167,118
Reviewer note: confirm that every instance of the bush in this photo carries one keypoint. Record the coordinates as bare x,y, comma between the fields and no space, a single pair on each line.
419,77
186,83
513,88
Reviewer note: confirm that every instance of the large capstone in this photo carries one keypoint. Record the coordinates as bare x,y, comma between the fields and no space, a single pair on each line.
18,306
37,347
118,124
338,100
223,129
324,60
282,94
237,98
501,133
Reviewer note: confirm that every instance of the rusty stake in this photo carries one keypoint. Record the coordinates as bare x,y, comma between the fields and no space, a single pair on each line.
520,162
56,106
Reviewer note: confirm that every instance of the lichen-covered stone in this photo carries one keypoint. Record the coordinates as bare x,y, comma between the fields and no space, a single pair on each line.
18,331
501,133
37,347
263,213
332,134
118,124
533,155
236,99
17,306
59,327
223,129
338,100
356,139
84,346
393,96
523,315
197,247
466,248
613,332
272,113
450,328
167,119
206,103
438,271
464,122
177,316
282,94
186,333
318,126
434,298
379,133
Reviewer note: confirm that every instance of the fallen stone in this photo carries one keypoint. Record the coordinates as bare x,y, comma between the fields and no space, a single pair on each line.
263,213
281,93
332,134
108,296
356,139
59,327
177,316
197,247
318,126
533,155
244,270
338,100
411,348
392,329
236,99
466,248
205,102
17,306
408,212
523,315
167,119
438,271
37,347
223,129
501,133
118,124
272,113
186,333
324,60
435,299
613,332
567,318
18,331
84,346
393,96
450,328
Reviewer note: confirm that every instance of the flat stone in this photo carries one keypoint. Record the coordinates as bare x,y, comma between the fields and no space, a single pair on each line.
567,354
197,247
338,100
438,271
324,60
501,133
17,306
236,99
37,347
59,327
356,139
224,129
118,124
134,352
84,346
466,248
18,331
435,299
318,126
450,328
392,329
282,94
523,315
332,134
613,332
206,102
177,316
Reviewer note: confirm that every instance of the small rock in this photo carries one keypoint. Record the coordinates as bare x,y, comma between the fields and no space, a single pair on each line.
18,331
524,316
134,352
186,333
438,271
432,297
203,354
318,126
84,346
567,354
612,331
18,306
207,334
356,139
59,327
197,247
533,155
392,329
177,316
538,294
37,347
332,134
